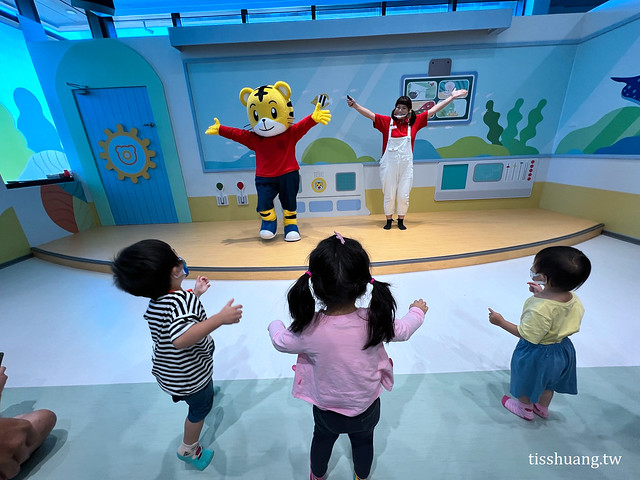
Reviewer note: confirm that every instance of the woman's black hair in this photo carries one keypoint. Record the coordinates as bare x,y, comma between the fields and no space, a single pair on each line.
566,268
407,102
144,268
340,273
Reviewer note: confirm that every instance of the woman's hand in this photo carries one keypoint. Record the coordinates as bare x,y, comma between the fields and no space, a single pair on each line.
458,93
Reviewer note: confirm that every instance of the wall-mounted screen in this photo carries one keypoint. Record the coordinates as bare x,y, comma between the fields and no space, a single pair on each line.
426,91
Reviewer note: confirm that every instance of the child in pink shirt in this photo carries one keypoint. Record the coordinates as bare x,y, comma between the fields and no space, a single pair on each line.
342,363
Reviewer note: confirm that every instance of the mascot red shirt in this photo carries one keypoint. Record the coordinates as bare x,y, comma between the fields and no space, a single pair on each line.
273,137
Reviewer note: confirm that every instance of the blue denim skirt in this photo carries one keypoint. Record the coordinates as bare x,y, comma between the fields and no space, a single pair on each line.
536,368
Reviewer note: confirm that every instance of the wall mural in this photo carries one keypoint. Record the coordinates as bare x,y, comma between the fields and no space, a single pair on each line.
616,133
30,149
504,121
66,205
14,152
502,141
31,146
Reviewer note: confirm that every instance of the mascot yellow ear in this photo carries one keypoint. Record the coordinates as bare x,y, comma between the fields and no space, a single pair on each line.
244,95
284,88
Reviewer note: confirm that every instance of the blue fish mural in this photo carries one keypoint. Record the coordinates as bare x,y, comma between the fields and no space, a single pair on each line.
631,91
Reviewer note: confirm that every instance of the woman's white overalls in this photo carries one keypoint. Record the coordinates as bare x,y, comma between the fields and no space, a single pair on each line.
396,172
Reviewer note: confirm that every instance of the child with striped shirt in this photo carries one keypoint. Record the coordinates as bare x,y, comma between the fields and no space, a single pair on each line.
182,347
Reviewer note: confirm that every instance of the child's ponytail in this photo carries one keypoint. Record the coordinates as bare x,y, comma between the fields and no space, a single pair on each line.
382,312
302,305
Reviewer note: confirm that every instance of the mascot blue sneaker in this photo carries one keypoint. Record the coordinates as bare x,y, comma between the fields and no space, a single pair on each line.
291,232
268,230
269,224
273,137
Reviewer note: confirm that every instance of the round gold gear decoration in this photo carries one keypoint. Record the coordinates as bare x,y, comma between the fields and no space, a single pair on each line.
127,154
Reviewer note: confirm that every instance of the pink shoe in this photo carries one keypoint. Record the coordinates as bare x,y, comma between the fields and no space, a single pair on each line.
518,408
541,411
313,477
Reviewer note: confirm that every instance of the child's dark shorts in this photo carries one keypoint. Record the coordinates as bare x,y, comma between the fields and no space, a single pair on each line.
200,403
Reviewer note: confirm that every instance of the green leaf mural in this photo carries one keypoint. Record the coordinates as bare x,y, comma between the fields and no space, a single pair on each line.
491,118
12,237
83,214
509,137
611,128
519,146
513,118
331,150
14,153
472,147
535,117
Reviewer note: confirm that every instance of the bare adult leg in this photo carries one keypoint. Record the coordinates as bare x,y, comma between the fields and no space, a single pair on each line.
42,422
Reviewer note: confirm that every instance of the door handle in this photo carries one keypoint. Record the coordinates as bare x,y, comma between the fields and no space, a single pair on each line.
150,124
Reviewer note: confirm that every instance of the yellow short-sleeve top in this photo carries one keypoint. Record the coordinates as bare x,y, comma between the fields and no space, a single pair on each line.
546,321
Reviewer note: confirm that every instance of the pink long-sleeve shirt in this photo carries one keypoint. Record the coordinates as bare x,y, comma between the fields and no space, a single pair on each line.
332,371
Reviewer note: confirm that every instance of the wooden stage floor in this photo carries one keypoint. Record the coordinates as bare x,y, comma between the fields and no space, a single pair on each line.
435,240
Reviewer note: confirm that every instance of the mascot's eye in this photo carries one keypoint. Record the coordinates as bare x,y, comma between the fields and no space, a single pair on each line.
274,113
255,115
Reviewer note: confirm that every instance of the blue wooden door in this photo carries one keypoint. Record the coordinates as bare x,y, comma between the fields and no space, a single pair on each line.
121,130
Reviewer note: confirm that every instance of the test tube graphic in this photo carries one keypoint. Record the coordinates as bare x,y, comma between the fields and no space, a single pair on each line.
221,198
242,198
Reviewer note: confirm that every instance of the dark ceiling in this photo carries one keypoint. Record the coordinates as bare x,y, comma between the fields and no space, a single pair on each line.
65,15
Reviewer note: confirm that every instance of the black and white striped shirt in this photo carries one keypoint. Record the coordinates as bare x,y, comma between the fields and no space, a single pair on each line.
184,371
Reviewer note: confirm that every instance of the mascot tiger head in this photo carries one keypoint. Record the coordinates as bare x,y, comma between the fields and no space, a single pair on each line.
269,108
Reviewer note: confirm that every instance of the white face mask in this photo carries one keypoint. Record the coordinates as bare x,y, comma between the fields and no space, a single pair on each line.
534,275
401,113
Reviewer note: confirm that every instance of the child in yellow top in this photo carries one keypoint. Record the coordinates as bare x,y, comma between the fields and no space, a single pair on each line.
544,360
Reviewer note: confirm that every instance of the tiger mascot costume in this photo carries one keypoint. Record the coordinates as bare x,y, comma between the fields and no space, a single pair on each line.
273,137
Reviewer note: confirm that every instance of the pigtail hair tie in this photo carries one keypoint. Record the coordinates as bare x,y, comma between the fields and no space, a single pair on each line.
372,280
308,273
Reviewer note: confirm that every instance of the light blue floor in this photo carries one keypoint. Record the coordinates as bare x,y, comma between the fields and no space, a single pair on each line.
78,346
436,426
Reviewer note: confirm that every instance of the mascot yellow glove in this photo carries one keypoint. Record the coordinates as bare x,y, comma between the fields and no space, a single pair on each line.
214,129
320,116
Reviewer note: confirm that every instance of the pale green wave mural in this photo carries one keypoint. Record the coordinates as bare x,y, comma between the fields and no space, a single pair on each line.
613,128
